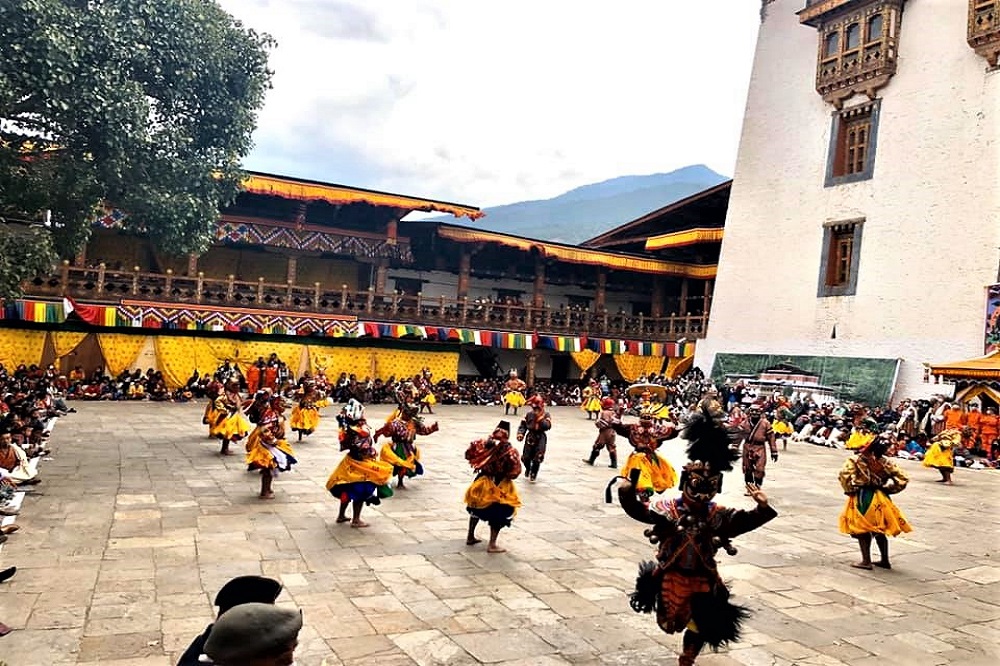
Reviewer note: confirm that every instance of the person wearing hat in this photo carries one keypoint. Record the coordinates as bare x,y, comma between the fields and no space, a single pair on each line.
492,496
401,451
758,434
305,414
605,433
862,435
240,590
868,479
360,478
230,424
513,395
655,473
533,432
267,448
591,400
255,634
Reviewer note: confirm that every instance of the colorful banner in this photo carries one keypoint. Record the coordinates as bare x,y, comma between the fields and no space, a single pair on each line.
992,342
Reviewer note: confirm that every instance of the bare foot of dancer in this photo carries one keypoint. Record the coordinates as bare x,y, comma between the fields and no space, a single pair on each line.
472,541
342,519
862,565
495,549
358,523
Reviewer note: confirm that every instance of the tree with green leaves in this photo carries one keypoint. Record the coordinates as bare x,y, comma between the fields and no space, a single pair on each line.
148,105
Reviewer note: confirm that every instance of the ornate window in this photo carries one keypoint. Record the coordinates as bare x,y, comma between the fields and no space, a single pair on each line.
852,144
857,45
841,255
984,29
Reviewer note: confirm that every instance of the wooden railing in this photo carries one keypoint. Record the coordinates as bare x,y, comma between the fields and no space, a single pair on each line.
101,285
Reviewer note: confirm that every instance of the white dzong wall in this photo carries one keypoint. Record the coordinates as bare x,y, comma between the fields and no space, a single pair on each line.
930,237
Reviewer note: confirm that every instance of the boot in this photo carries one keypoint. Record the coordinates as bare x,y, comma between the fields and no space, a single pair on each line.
614,461
592,458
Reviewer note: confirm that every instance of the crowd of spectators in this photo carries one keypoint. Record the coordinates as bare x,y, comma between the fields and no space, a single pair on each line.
30,406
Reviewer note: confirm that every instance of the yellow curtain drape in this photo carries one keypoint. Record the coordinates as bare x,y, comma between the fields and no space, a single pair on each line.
65,341
585,359
19,346
359,361
678,366
177,357
119,350
289,352
631,367
406,364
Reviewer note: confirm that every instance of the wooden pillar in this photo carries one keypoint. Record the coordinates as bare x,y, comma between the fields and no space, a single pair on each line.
293,270
530,371
601,292
682,308
392,232
656,299
192,265
709,288
464,270
381,273
538,299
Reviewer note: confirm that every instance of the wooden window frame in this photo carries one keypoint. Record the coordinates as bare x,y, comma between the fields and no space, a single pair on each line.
838,155
837,235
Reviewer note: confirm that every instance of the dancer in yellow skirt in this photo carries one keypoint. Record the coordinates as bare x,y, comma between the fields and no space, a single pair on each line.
592,399
360,478
513,393
862,435
656,474
868,479
492,497
230,424
424,388
941,454
402,452
267,449
212,391
305,414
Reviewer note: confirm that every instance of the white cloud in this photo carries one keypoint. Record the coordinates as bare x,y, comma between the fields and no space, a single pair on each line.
488,102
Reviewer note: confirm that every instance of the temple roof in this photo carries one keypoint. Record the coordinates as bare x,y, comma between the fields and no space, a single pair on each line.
695,220
578,255
309,191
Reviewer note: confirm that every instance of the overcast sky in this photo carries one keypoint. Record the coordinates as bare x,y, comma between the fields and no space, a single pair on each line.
487,102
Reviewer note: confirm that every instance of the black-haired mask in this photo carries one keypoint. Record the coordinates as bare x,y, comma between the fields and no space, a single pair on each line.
699,484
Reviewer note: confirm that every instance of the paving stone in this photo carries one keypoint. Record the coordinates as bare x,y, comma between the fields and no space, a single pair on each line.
122,569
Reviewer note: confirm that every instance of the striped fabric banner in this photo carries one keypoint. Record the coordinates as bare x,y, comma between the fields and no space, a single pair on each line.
608,346
561,343
41,312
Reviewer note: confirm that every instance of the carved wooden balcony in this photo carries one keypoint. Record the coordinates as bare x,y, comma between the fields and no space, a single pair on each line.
101,285
984,29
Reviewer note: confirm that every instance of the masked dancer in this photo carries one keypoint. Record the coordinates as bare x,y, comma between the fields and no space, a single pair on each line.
655,473
360,478
513,393
402,452
605,423
492,497
305,414
230,424
683,585
533,431
267,448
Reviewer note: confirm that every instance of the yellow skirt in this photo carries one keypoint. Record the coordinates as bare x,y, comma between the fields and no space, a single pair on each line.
429,399
483,492
654,475
389,455
230,427
938,456
513,398
592,404
211,414
260,457
783,428
880,517
354,471
306,420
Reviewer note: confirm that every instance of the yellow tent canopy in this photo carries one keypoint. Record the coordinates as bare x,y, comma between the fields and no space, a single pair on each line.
983,367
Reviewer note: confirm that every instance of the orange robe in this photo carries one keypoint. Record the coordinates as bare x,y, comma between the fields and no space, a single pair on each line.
989,429
253,379
271,377
954,418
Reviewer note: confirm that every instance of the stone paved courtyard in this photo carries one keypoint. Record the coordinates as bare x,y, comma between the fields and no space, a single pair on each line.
138,522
